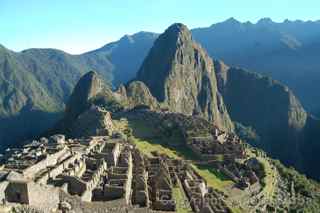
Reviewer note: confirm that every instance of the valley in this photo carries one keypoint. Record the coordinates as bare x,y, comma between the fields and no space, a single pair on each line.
188,133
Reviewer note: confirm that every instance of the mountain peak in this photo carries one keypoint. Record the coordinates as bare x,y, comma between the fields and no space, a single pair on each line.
232,21
177,28
87,87
229,22
162,55
179,73
90,74
265,21
177,33
127,39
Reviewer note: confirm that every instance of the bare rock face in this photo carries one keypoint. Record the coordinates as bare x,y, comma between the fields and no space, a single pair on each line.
181,75
93,122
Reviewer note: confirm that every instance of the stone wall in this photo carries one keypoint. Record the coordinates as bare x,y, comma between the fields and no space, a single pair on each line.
140,176
50,160
45,198
17,192
120,178
3,186
57,169
75,185
35,195
114,192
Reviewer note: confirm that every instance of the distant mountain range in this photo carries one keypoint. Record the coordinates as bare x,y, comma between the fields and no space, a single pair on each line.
178,76
37,82
287,52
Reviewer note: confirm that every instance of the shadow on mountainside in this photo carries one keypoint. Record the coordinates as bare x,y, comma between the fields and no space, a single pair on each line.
29,123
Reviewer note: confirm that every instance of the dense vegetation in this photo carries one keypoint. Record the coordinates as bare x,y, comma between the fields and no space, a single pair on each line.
302,185
38,82
270,116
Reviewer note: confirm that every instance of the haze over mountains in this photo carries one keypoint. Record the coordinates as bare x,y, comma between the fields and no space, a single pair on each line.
36,83
286,51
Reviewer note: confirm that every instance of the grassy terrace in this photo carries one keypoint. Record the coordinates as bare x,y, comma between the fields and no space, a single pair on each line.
214,179
182,206
147,140
147,148
270,179
152,143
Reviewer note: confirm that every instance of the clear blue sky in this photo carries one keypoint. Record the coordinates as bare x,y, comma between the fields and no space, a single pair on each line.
80,25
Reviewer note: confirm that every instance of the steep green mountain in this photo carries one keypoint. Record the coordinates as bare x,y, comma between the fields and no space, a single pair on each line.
180,75
91,96
87,88
35,84
80,117
286,51
286,131
311,147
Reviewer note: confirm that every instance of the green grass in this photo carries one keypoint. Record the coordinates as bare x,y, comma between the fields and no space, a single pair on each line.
269,179
147,140
142,130
237,210
182,206
271,175
147,148
148,132
214,179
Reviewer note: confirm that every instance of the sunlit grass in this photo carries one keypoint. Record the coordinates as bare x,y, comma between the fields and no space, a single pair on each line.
214,179
148,148
182,206
148,140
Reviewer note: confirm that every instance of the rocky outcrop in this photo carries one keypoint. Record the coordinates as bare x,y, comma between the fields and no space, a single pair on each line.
93,122
138,94
180,75
88,87
83,115
89,107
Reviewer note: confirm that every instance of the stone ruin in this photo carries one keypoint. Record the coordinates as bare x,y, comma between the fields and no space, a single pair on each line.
96,121
101,173
140,194
87,171
224,151
216,145
160,185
